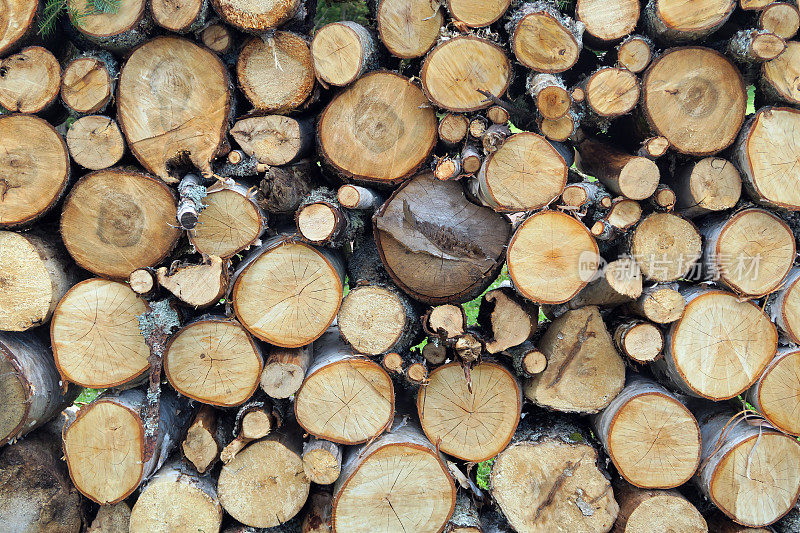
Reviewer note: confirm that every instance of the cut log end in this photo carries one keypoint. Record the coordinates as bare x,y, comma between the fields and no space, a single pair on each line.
453,84
612,92
93,315
718,91
542,269
95,142
87,84
30,80
640,341
665,246
218,38
607,23
646,510
470,418
34,169
634,54
780,18
213,361
114,213
408,29
373,319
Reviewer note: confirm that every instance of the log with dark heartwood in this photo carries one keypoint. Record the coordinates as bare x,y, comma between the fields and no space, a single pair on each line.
351,266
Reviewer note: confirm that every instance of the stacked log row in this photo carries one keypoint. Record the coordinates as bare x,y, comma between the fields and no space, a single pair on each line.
322,267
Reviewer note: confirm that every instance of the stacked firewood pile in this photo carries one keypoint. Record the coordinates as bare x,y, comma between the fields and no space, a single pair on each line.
257,231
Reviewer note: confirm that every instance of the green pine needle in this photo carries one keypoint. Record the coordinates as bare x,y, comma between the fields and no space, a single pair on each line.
54,9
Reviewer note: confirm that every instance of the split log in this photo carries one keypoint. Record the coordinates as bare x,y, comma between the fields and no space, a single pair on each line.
776,394
322,461
345,398
755,46
470,417
672,21
397,482
317,518
694,97
36,493
780,18
174,499
477,14
29,382
196,285
115,221
274,139
631,176
453,84
95,335
408,28
776,75
437,246
453,128
264,485
376,317
571,492
380,129
607,22
187,87
584,371
526,173
108,436
285,370
783,306
705,186
257,17
665,246
203,440
445,321
343,52
95,142
34,166
541,267
283,280
180,16
213,360
620,282
543,39
526,359
611,92
641,511
749,472
506,319
17,24
639,340
659,303
549,94
652,438
718,348
764,151
30,80
218,38
635,53
746,265
36,275
230,221
88,83
118,30
276,74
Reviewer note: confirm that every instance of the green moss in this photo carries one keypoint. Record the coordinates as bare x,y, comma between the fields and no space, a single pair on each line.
482,474
751,99
87,396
